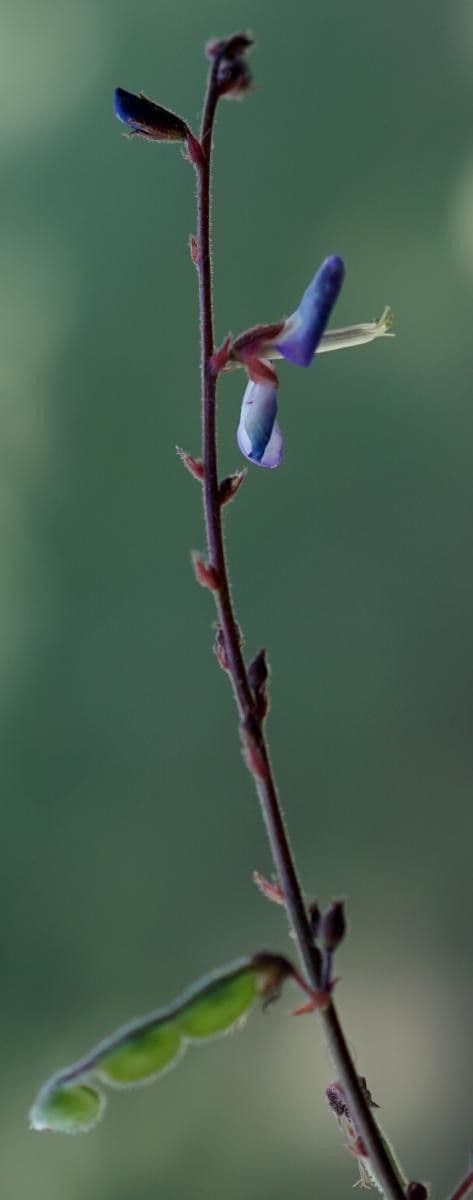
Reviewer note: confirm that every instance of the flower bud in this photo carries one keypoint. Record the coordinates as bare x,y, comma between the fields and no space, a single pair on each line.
151,120
258,671
234,78
332,926
258,674
232,47
314,919
417,1191
233,75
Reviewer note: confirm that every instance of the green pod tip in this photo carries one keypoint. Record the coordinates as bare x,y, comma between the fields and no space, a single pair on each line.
67,1109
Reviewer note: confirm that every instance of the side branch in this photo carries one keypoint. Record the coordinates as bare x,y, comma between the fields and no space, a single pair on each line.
465,1186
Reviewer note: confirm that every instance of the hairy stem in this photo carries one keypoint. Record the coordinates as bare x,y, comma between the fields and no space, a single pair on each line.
264,779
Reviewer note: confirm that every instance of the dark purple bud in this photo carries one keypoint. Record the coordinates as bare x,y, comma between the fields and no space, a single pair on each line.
234,78
143,116
232,73
417,1191
314,919
232,47
332,926
258,671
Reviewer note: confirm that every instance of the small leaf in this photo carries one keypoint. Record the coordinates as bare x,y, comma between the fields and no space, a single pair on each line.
194,465
332,928
272,891
68,1109
194,252
205,574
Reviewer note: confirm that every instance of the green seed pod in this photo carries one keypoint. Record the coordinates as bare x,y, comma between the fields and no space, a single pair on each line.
219,1006
142,1050
67,1109
142,1057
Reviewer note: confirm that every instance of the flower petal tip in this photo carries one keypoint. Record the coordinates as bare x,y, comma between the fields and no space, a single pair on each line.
385,323
121,104
273,454
151,120
304,329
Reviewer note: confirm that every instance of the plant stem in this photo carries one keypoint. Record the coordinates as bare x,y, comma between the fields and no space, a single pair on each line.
465,1186
266,788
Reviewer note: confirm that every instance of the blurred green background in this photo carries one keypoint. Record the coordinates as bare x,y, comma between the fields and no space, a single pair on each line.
130,825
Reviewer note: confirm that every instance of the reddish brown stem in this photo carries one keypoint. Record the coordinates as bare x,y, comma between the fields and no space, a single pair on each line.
465,1186
264,779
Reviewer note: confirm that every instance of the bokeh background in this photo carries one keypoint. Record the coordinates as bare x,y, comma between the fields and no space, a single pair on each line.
130,828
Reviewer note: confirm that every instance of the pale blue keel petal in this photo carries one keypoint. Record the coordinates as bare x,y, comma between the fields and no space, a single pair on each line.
259,436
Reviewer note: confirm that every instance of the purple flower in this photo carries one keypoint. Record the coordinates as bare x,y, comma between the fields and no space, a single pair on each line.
259,436
297,339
